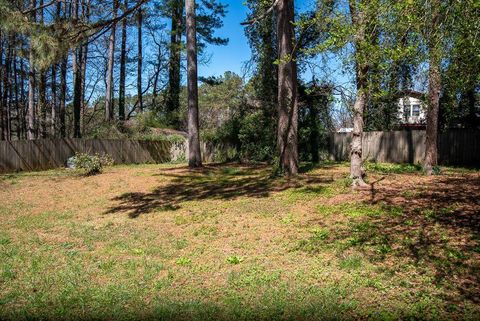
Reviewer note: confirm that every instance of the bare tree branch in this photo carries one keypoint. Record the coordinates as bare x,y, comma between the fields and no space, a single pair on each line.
262,16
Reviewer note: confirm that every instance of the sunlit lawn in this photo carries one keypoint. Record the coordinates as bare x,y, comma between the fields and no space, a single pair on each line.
230,242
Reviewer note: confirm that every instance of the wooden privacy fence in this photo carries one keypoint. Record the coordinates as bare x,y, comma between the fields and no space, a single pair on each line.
455,147
52,153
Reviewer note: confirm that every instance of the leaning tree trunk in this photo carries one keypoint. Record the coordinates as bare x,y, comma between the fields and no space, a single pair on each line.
361,68
111,57
434,87
123,68
31,87
173,90
194,156
287,140
139,59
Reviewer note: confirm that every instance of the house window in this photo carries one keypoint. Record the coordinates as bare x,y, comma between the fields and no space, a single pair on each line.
406,111
416,110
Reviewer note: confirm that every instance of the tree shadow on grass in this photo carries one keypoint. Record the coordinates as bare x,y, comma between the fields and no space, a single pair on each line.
435,228
208,183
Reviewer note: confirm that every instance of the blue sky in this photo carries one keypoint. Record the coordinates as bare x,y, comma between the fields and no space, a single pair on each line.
233,56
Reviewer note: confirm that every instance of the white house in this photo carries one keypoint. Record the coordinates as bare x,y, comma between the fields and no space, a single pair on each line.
411,109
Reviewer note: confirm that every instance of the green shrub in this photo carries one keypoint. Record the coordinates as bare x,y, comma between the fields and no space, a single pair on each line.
91,164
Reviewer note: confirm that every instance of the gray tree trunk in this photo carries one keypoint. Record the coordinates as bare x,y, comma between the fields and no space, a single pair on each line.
434,88
173,90
194,156
356,169
42,88
139,59
287,140
123,67
111,56
31,88
77,80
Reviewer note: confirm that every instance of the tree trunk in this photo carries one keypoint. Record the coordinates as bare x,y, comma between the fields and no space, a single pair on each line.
54,108
42,88
77,80
31,87
361,68
434,88
6,87
155,81
173,90
2,136
18,112
123,67
194,156
63,96
287,139
23,100
139,59
83,64
111,56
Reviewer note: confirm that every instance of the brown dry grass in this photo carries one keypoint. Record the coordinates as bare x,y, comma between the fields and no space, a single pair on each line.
153,241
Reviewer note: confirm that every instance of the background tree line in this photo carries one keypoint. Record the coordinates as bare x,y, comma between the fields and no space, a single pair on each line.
81,68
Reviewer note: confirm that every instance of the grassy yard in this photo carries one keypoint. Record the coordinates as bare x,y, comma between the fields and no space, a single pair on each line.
231,243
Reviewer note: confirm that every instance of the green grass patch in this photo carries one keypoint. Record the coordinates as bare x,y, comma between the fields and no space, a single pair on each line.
390,168
357,209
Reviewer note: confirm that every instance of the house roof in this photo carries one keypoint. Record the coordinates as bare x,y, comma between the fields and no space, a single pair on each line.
411,93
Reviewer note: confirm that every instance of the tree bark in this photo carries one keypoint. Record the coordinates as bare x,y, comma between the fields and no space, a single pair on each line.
123,68
77,80
434,88
31,86
194,155
2,135
83,64
173,90
111,56
356,169
139,59
42,88
287,139
63,97
18,111
5,66
23,100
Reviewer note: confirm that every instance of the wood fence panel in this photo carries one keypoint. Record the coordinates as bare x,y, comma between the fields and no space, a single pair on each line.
45,154
455,147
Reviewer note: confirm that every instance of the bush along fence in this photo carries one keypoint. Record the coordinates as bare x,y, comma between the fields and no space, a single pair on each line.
455,147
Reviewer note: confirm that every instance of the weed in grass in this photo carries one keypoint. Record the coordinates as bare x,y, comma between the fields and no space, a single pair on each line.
180,244
183,261
253,277
287,219
206,230
234,260
181,220
5,239
455,254
351,262
315,242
